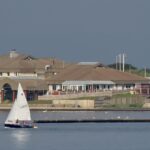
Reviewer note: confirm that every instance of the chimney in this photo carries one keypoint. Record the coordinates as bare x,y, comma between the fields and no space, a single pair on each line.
13,53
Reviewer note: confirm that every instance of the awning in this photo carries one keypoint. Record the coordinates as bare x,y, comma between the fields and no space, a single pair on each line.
88,83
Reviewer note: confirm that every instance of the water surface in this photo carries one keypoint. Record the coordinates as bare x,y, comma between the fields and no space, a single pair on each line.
78,136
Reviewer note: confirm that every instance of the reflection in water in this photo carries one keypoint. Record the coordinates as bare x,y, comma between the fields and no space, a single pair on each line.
20,137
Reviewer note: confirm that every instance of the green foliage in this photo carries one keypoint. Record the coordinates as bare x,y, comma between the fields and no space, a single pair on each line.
127,66
136,105
132,69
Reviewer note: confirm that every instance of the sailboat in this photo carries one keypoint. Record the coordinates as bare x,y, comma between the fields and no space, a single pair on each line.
19,115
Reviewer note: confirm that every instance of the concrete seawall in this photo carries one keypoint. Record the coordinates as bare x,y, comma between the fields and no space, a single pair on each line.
45,108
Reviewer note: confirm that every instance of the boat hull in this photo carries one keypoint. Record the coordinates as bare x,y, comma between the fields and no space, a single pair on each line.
18,126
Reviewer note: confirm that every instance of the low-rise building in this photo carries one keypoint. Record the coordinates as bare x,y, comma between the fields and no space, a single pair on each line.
85,77
43,76
29,71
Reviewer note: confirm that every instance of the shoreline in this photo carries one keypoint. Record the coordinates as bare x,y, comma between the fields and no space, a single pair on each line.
95,121
6,108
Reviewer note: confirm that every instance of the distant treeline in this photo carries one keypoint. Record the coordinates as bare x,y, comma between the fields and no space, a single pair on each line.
132,69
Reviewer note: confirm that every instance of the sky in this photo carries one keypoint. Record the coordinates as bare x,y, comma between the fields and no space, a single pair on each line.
77,30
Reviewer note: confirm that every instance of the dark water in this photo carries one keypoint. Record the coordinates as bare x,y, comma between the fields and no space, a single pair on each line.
78,136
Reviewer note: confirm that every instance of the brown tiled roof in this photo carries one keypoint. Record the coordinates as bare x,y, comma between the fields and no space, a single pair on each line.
21,63
88,72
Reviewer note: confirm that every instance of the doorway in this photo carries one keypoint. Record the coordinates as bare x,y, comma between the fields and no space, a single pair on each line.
7,92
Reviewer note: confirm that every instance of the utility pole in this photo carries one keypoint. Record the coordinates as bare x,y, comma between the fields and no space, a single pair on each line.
123,61
120,62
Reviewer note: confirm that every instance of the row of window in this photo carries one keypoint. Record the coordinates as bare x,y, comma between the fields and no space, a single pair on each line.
7,73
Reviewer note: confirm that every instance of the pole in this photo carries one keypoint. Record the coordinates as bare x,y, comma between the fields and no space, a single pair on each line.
123,61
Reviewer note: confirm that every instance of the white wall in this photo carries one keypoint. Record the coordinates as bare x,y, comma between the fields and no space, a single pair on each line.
14,74
58,87
27,74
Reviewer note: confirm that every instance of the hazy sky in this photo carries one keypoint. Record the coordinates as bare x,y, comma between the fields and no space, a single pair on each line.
77,30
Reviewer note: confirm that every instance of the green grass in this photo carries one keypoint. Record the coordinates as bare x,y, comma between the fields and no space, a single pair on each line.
7,102
135,105
85,98
124,95
40,102
124,106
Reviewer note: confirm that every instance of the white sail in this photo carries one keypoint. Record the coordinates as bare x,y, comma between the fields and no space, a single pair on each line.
20,109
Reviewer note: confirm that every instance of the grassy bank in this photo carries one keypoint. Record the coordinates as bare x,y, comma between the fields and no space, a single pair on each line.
124,95
124,106
127,100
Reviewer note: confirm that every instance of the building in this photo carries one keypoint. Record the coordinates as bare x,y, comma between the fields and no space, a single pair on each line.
29,71
143,88
41,76
92,77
